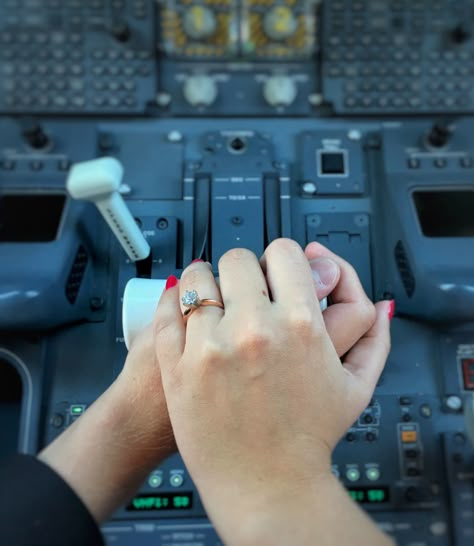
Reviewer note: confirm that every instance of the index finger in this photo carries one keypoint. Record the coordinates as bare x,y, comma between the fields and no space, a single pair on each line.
289,275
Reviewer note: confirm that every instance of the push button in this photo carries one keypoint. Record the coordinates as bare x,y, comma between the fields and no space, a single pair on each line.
409,436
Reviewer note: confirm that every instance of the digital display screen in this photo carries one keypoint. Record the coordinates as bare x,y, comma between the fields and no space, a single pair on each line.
445,213
150,502
332,163
370,495
30,218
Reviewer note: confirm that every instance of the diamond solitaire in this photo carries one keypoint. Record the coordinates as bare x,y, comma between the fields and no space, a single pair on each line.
191,299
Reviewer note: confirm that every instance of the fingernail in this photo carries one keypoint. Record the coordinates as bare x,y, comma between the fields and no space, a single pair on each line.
391,309
198,260
171,282
324,271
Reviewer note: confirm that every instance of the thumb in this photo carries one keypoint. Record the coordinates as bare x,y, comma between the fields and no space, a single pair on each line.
169,329
326,275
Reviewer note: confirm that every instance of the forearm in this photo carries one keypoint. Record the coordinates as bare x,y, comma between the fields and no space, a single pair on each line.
322,514
103,456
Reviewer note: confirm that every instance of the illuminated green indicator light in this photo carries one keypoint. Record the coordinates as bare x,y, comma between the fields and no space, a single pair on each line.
373,474
352,474
176,480
77,410
155,480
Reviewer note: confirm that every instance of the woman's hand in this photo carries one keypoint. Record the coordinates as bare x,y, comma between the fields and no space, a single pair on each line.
258,397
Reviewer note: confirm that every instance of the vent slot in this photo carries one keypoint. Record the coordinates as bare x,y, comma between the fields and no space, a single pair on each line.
76,275
405,270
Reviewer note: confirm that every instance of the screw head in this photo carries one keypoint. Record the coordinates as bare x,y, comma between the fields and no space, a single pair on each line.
175,136
354,134
163,99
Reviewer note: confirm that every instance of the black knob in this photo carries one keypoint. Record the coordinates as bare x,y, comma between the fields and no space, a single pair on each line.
459,34
120,31
439,135
351,437
35,136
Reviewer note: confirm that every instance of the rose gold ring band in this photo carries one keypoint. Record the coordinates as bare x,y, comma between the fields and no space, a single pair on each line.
192,301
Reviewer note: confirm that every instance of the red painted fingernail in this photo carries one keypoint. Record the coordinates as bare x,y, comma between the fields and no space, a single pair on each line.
391,309
171,282
198,260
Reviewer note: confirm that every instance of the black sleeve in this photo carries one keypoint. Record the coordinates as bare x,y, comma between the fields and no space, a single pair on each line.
37,508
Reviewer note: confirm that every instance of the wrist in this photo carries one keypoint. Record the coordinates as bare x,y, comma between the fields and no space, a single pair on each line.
107,453
318,510
268,509
283,515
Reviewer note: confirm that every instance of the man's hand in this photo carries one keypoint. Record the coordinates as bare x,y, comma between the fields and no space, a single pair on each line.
106,454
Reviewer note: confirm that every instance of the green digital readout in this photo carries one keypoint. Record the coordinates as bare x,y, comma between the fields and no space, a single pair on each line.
165,501
370,495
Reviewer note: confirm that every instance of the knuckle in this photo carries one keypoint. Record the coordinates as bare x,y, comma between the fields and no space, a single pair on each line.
301,320
212,353
235,255
253,343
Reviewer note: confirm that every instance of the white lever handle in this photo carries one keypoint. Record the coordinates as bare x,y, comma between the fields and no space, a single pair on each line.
99,181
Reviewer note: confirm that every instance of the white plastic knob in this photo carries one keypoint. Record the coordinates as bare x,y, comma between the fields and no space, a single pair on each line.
200,90
280,91
99,181
140,299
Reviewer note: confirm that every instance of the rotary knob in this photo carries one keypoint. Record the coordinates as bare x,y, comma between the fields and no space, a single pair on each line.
35,136
199,22
200,90
280,91
280,23
439,135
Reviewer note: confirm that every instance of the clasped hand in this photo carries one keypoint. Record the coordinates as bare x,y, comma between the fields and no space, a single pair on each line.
257,395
